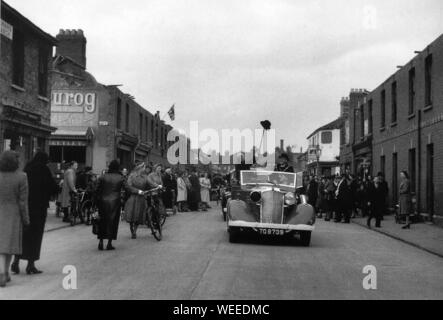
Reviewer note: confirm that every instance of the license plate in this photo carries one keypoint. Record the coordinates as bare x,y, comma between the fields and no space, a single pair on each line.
271,232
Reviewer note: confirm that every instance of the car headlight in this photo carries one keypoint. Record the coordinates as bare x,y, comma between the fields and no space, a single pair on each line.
290,199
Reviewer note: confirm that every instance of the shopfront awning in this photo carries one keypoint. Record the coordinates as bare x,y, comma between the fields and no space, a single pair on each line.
71,137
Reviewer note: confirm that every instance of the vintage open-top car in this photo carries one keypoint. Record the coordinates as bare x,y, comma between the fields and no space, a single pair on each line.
267,203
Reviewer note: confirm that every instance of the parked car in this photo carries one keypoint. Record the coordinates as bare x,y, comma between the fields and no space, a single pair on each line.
267,203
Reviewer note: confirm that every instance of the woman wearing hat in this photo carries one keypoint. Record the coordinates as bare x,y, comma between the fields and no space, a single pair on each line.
135,206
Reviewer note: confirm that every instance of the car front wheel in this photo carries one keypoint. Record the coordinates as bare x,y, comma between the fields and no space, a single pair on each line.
233,236
305,238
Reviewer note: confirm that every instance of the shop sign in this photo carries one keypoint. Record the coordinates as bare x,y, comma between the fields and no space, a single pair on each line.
67,143
78,102
6,29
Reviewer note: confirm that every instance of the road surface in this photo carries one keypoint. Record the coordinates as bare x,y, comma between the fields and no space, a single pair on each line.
196,261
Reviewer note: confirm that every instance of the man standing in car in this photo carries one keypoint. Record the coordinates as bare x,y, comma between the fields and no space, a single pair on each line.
283,165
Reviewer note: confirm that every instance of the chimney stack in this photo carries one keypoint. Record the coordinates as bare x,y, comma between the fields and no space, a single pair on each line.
72,44
282,145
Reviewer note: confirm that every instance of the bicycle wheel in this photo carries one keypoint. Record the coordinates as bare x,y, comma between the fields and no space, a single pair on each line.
154,224
86,211
163,217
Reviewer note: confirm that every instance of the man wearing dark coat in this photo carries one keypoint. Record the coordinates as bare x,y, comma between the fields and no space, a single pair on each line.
42,187
170,184
312,191
109,189
194,194
344,200
283,165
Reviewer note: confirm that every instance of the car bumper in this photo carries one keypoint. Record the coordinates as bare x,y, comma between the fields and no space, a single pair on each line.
258,225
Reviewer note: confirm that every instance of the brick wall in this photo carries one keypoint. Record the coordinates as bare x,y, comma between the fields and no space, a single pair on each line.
27,98
401,136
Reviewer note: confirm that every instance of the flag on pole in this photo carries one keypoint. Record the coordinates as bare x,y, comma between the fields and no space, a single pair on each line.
171,113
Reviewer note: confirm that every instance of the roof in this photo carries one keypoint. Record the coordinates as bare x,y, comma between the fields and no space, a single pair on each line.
336,124
7,8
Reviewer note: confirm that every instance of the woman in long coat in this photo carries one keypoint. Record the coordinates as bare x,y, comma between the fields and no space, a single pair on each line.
194,194
68,187
205,184
42,187
109,197
182,192
13,211
405,198
135,206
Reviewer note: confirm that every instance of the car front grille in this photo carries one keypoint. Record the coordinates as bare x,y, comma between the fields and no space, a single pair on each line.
272,207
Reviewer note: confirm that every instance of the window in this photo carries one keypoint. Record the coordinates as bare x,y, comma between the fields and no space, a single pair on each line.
394,102
362,121
383,109
127,118
428,80
152,130
411,91
383,165
370,117
140,125
412,168
43,55
326,137
119,113
18,58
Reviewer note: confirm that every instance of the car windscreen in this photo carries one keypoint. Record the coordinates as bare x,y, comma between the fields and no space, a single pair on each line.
269,178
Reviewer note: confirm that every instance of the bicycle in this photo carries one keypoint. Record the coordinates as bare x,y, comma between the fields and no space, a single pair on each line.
155,217
76,201
88,208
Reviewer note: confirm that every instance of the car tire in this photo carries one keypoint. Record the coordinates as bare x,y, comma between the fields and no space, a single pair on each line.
305,238
233,236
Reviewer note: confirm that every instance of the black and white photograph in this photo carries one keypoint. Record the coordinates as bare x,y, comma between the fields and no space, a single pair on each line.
206,151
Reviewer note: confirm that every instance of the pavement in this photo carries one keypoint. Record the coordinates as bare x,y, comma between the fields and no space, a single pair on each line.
196,261
52,222
425,236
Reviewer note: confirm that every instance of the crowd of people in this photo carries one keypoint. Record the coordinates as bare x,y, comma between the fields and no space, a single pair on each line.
25,197
342,197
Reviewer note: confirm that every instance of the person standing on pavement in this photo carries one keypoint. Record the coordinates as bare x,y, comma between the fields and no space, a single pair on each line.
376,198
69,179
405,198
344,199
205,184
14,214
109,188
135,206
42,187
182,192
321,197
312,191
194,195
329,197
170,185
